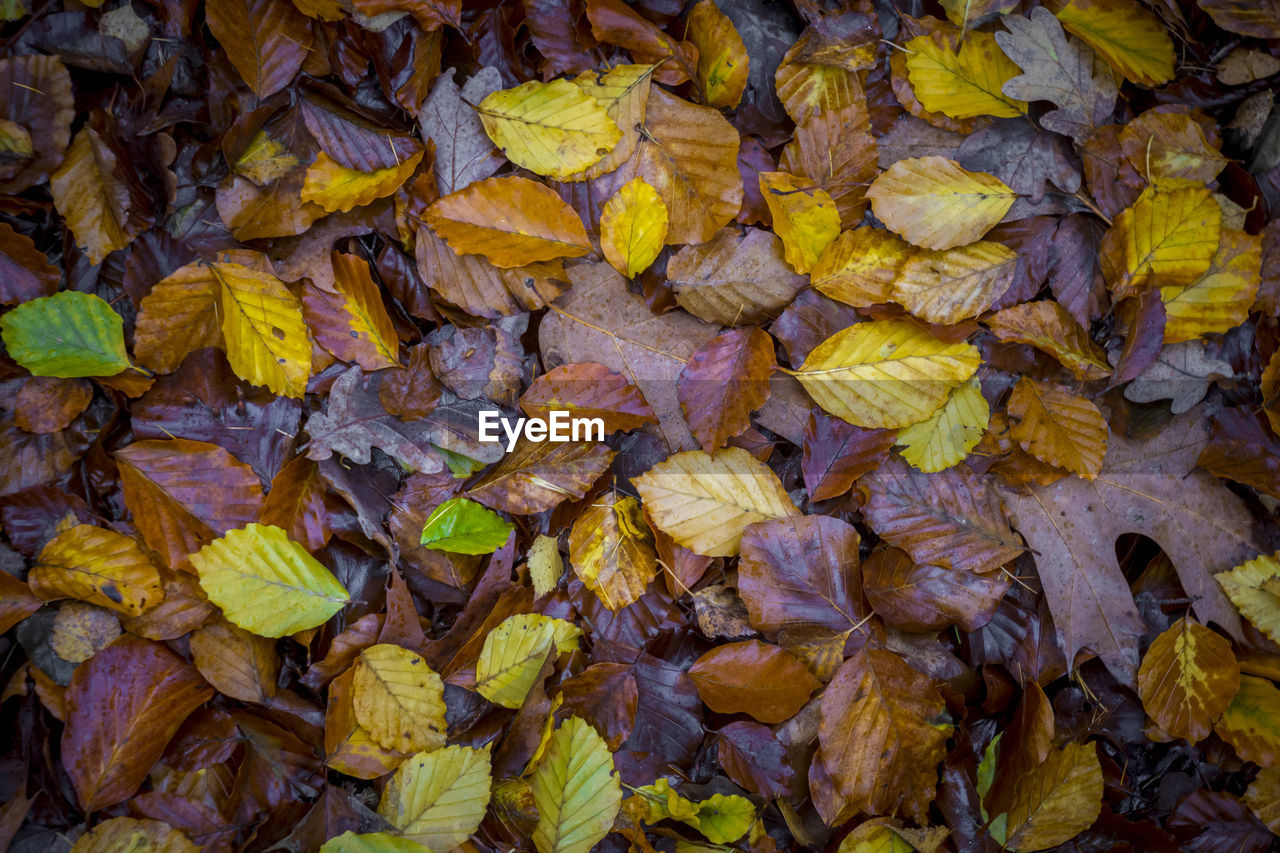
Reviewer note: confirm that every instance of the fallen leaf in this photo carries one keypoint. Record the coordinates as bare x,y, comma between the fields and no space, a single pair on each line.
935,204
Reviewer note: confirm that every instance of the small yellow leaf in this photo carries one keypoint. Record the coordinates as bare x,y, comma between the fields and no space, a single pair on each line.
553,129
514,652
438,799
545,565
1126,35
885,374
398,699
633,227
1058,427
946,438
964,81
512,221
804,216
704,502
1251,722
262,325
99,566
935,204
611,549
1251,588
337,188
956,284
722,57
81,630
265,160
1188,677
266,583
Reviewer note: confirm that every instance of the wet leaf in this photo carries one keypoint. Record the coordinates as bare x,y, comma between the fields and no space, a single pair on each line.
575,789
398,699
68,334
463,526
514,652
1188,677
754,678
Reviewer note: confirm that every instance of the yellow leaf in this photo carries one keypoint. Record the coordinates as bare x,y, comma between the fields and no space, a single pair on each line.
818,75
1057,800
512,221
398,699
545,565
265,160
804,217
1251,722
266,337
623,91
514,652
1247,587
950,433
964,81
337,188
575,789
371,842
860,267
438,799
633,227
365,332
1168,238
611,549
935,204
80,631
130,835
99,566
1047,326
95,204
722,57
1263,798
348,746
1058,427
1127,36
954,285
266,583
704,502
1220,299
886,373
1188,677
552,129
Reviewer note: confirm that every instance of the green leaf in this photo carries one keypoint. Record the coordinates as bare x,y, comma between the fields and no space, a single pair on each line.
66,335
575,790
267,583
462,526
724,819
514,653
371,842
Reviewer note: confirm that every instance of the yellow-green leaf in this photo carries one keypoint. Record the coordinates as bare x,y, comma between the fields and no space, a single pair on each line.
398,699
704,502
804,217
633,227
68,334
438,798
552,129
1251,722
1130,38
266,583
514,652
371,842
575,790
886,373
99,566
1254,587
265,334
947,436
1167,238
935,204
962,81
1188,677
723,819
337,188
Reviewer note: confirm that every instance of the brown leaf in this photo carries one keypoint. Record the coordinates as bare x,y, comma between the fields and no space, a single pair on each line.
265,40
537,476
734,278
919,598
297,503
25,271
35,94
877,698
238,664
724,382
478,287
754,678
123,706
46,405
588,390
605,695
350,320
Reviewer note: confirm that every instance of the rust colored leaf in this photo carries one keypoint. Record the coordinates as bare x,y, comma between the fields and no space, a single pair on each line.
919,598
265,40
46,404
537,476
123,706
724,382
589,390
754,678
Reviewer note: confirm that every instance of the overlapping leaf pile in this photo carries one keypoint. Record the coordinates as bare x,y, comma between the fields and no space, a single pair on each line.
936,350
